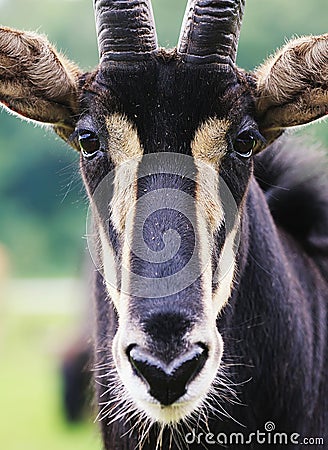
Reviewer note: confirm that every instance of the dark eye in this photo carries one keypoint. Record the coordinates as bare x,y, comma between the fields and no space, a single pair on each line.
89,143
245,143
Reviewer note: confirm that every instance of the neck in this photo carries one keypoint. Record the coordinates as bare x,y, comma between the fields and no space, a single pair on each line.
268,327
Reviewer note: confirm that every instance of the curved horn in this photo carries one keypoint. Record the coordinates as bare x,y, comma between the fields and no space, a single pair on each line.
125,29
210,31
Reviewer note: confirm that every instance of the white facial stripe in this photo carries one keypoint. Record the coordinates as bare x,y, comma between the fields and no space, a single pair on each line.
126,152
125,193
226,270
122,209
123,141
207,195
210,216
208,147
109,266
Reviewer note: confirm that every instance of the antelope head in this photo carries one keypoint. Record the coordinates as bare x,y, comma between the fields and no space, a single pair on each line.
166,140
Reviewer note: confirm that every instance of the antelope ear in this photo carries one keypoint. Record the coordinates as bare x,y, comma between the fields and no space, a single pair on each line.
37,82
292,86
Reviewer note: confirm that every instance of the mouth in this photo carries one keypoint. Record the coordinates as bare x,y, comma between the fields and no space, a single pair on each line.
170,414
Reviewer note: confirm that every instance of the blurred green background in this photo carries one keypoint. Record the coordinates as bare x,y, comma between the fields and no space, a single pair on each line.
43,209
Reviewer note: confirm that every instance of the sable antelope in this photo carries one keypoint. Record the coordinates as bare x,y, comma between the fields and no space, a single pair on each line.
212,253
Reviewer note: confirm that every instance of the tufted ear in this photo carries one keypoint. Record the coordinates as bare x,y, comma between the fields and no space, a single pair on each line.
37,82
292,86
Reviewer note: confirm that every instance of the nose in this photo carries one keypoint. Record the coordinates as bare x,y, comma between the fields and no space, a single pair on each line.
167,382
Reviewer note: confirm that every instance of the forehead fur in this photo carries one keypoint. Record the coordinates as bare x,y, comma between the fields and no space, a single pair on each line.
166,100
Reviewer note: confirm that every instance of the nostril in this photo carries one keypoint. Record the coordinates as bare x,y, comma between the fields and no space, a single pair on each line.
167,383
190,368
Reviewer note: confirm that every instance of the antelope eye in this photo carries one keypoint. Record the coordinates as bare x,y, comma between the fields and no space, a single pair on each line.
89,143
245,143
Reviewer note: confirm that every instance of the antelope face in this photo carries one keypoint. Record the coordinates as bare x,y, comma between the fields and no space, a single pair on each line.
165,144
166,163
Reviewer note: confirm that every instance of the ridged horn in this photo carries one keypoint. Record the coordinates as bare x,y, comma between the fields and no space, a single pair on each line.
210,31
125,29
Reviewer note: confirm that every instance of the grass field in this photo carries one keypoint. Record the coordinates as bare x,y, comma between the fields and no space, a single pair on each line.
37,319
